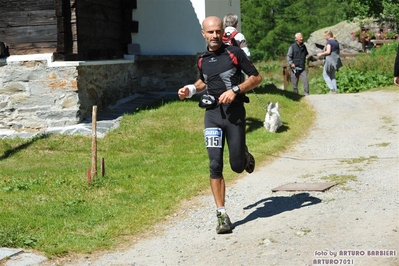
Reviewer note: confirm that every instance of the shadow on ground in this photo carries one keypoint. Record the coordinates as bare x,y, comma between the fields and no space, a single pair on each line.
272,89
276,205
10,151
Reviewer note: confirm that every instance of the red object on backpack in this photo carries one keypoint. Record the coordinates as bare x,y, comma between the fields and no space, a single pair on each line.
229,38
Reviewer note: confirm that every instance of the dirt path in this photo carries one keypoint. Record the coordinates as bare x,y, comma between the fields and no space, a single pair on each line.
356,136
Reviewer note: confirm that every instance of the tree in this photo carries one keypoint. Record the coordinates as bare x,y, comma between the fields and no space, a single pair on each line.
257,19
362,8
390,14
270,25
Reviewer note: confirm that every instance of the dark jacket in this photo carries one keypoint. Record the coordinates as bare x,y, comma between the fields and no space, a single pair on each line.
297,55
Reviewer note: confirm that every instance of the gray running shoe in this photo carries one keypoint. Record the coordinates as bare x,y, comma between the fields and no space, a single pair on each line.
224,224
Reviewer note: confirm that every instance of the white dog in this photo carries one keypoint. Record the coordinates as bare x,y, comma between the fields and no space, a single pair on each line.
272,119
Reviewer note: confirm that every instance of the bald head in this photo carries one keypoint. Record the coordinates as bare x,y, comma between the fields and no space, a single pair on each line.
212,31
211,21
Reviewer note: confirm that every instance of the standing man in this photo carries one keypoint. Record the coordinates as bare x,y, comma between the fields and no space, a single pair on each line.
230,23
220,69
396,69
296,57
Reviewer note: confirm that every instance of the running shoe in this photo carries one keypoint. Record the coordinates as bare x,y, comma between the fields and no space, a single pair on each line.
224,224
250,162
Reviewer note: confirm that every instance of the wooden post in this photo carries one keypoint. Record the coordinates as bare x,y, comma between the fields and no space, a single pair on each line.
102,167
88,175
286,75
94,143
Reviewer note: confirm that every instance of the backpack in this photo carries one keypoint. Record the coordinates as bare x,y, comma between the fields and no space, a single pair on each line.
228,38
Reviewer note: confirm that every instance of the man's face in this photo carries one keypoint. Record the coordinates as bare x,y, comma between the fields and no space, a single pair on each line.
213,32
299,39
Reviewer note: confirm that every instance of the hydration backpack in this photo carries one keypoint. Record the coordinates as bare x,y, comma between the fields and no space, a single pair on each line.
228,38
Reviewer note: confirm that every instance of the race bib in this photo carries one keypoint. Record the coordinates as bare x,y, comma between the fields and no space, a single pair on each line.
213,137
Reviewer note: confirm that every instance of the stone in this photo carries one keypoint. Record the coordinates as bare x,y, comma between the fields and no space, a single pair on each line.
342,32
8,252
36,93
133,48
12,88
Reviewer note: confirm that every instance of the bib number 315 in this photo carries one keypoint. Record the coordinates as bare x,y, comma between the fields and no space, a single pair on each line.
213,137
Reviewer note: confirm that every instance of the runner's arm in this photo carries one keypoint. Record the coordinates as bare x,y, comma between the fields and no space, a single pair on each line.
250,83
188,91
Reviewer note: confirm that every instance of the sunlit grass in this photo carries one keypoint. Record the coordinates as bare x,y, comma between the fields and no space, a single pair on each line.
153,161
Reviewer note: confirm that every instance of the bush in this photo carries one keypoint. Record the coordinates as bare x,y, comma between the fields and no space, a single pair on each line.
368,71
355,80
387,49
258,55
364,72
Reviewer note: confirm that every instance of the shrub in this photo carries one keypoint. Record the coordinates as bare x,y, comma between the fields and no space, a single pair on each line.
368,71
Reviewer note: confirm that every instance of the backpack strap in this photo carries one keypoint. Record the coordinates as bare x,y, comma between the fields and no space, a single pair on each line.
229,38
233,34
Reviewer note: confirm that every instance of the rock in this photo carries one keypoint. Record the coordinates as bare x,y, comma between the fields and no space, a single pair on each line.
342,31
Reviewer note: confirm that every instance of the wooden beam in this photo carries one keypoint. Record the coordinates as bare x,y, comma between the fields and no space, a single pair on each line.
28,18
32,48
25,5
42,33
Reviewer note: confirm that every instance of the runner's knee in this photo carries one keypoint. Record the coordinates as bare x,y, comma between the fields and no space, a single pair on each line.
237,166
215,169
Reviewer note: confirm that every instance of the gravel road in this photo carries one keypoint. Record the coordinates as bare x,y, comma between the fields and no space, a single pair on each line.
355,138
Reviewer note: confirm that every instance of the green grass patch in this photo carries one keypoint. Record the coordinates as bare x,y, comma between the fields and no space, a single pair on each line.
382,144
361,159
153,161
387,120
340,179
388,123
306,175
328,200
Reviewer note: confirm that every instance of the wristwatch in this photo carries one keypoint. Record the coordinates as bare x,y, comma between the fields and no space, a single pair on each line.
236,89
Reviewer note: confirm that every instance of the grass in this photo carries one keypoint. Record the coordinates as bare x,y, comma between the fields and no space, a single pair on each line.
341,180
153,161
360,160
383,144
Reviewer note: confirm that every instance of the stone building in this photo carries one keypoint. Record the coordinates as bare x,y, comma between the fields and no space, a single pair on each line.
67,55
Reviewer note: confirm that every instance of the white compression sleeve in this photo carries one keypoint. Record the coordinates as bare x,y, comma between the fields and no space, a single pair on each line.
192,90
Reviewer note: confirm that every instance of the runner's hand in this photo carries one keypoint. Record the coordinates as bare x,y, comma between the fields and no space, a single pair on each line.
227,97
183,93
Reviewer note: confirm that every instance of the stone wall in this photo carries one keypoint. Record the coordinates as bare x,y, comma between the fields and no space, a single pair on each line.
37,93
